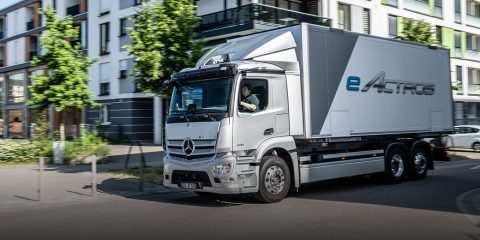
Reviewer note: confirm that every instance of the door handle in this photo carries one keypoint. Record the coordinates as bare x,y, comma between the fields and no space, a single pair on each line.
268,131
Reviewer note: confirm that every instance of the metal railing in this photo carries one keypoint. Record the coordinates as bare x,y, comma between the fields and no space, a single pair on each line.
420,6
257,13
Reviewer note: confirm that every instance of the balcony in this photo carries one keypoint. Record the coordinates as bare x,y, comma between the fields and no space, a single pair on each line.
73,10
472,55
390,2
420,6
473,20
30,25
458,53
252,18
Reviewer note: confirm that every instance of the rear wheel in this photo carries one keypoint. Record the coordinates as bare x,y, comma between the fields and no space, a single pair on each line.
418,165
395,165
274,180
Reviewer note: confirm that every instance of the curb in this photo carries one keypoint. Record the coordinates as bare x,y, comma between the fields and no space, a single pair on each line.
469,204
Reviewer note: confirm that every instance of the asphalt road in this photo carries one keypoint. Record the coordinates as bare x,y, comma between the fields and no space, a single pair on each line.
443,206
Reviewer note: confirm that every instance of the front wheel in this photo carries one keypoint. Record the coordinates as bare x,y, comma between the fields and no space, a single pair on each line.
274,180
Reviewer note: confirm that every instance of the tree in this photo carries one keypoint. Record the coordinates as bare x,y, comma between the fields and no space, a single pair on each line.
418,31
66,85
163,41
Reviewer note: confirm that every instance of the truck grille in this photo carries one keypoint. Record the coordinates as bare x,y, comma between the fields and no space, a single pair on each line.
203,150
191,176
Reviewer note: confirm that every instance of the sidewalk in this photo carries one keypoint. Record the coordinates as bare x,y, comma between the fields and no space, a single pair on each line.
65,183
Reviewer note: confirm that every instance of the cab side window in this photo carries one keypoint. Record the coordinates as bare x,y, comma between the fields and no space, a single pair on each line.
253,95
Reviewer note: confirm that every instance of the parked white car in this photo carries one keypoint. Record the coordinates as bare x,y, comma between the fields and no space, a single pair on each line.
465,136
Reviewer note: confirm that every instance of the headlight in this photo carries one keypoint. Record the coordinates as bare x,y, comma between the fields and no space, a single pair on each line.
222,169
166,168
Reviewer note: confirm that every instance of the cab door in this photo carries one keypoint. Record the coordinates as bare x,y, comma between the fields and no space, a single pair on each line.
251,128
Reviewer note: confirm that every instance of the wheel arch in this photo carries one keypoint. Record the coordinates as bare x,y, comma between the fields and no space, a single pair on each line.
474,142
285,148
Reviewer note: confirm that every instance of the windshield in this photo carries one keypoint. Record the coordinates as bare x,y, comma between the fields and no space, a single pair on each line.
210,96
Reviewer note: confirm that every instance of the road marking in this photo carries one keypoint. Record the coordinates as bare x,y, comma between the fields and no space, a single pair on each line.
476,167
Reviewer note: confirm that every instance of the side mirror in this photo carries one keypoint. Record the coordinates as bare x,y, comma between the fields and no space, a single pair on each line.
166,84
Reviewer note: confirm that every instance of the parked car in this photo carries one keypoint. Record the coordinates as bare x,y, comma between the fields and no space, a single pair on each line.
465,136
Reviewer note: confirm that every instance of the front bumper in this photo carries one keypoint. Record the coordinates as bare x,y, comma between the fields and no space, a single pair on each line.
243,179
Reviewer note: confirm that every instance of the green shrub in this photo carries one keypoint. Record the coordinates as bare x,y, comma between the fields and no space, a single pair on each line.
43,148
88,144
16,151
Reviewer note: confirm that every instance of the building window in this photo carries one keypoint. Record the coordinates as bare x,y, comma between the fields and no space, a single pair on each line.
438,31
104,89
2,84
16,88
458,11
104,7
32,74
459,79
344,16
84,34
366,20
104,70
15,123
458,39
104,116
104,38
16,49
123,68
392,26
123,27
438,4
473,79
137,2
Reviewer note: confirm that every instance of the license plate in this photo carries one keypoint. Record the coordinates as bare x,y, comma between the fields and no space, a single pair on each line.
188,185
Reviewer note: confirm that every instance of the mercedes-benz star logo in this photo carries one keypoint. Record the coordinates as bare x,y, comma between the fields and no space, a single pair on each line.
188,146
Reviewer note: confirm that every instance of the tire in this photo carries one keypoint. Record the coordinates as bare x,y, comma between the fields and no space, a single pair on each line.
274,181
418,164
395,165
476,147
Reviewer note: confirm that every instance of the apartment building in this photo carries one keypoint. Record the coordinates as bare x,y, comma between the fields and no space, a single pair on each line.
457,23
126,113
21,26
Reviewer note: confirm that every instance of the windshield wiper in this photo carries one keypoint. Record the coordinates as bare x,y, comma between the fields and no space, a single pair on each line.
183,114
203,111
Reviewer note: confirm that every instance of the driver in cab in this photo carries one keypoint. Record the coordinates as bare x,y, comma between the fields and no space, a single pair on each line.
248,101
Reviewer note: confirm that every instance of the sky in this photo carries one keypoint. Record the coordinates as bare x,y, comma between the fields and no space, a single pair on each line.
6,3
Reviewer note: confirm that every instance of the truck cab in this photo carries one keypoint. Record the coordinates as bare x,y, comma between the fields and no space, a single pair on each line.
206,112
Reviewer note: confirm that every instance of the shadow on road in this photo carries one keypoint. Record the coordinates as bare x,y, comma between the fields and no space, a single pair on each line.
437,192
193,199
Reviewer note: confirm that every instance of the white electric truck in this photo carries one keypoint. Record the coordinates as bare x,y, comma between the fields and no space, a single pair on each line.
267,112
